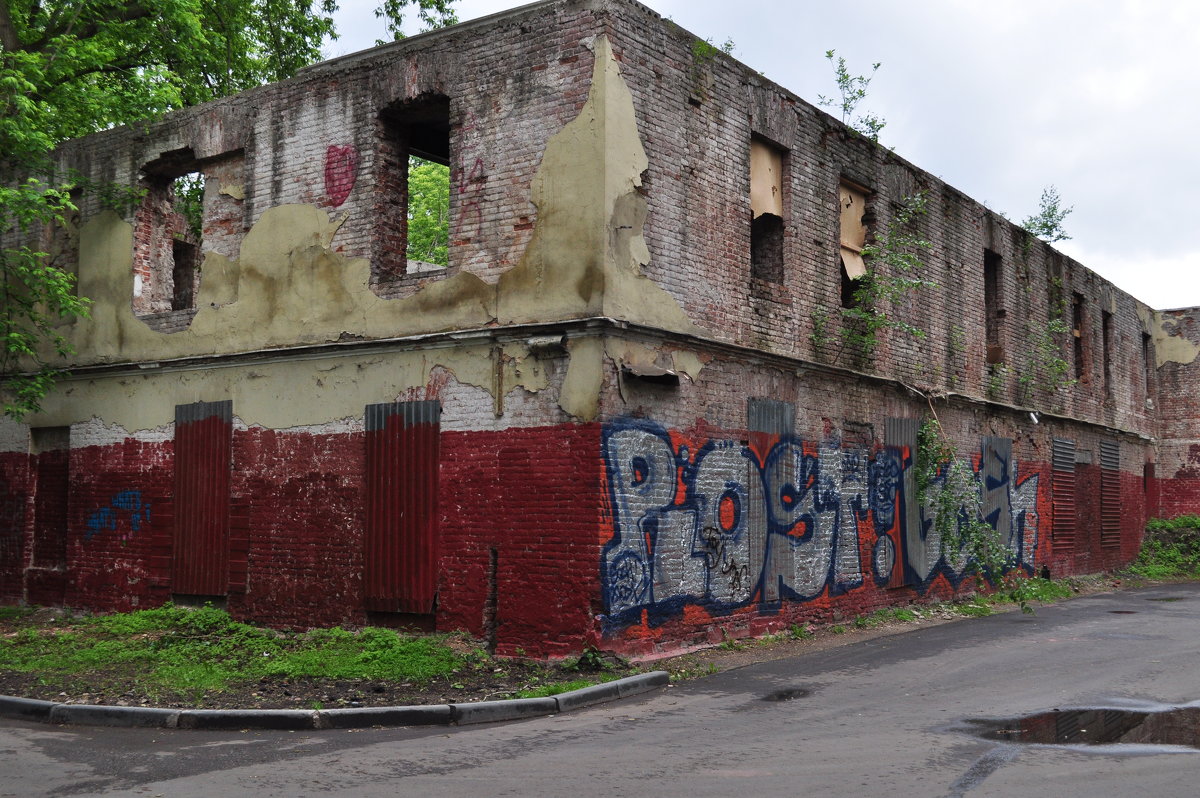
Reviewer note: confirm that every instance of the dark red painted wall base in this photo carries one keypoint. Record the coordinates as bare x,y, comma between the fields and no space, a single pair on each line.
520,510
525,515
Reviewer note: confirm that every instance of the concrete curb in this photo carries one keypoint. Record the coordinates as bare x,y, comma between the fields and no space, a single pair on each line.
341,718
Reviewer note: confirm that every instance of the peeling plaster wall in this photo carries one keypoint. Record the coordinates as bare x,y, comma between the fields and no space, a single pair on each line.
291,394
291,283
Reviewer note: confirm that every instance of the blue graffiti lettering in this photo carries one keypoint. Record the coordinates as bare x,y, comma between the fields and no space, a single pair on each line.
127,505
722,529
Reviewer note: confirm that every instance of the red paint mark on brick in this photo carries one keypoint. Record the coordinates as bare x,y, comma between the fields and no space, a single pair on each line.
341,171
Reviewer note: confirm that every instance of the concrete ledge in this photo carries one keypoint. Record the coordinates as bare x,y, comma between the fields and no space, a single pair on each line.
491,711
99,715
25,708
287,719
363,717
642,683
341,718
586,696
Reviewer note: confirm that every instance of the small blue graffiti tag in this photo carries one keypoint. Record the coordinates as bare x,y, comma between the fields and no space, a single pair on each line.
126,505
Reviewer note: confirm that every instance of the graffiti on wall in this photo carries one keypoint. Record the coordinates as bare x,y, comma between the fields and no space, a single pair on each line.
341,172
126,512
725,525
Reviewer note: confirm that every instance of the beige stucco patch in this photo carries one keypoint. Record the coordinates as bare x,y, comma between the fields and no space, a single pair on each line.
1170,346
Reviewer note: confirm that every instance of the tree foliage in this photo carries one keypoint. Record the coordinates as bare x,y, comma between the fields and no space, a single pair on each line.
428,211
852,90
1047,223
894,262
72,67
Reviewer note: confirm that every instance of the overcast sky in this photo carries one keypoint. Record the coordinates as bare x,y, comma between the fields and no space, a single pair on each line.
1100,98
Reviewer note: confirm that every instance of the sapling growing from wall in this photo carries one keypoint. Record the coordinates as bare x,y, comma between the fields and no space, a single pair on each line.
1047,223
852,90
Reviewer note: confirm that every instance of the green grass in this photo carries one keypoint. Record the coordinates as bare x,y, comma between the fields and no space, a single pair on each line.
883,616
204,649
1170,550
554,688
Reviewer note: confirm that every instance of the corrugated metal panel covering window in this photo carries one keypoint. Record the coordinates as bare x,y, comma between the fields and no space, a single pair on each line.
203,443
900,436
1110,494
767,420
401,554
1063,488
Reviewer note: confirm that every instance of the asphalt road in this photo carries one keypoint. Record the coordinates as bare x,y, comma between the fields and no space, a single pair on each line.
883,716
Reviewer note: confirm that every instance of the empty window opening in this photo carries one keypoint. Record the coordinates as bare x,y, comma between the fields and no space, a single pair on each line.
1106,328
766,211
60,240
1078,332
412,188
1148,366
168,235
993,306
852,202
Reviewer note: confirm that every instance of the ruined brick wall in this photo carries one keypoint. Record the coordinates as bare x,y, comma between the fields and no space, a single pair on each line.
698,112
1178,386
662,479
756,531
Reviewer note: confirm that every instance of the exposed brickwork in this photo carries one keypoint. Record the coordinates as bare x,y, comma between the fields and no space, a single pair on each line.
666,519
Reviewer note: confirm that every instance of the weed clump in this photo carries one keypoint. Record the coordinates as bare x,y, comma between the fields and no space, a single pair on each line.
1170,550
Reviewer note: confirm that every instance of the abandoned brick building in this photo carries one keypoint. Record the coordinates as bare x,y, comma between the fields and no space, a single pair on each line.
624,415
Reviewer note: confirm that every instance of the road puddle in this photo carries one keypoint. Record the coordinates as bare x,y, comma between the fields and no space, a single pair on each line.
1168,726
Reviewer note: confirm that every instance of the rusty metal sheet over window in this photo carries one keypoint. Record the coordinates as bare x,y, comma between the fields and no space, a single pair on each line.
767,420
1110,494
203,444
1063,490
52,448
401,543
900,437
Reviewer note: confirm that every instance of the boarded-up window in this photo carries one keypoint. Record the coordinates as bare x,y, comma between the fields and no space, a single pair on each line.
401,544
52,448
1063,489
853,203
766,211
203,444
1110,494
